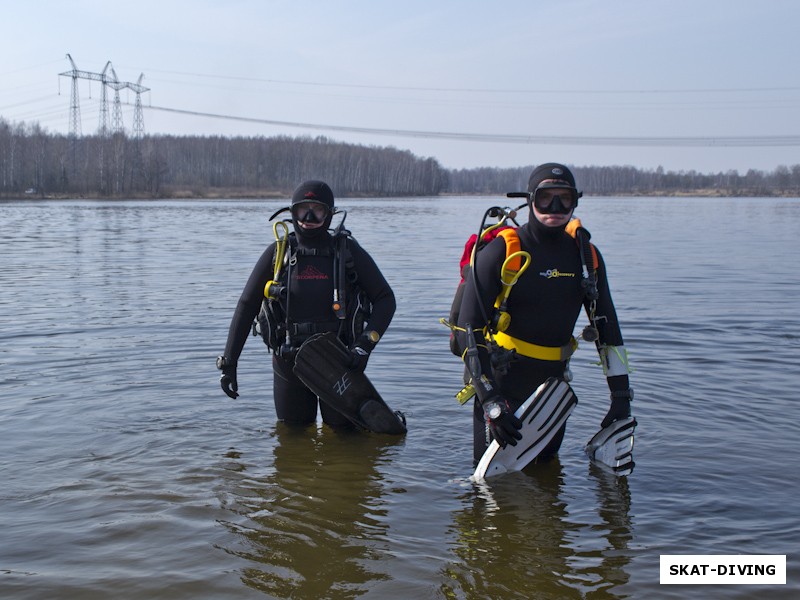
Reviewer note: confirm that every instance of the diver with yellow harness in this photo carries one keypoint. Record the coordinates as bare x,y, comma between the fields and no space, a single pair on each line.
514,316
320,290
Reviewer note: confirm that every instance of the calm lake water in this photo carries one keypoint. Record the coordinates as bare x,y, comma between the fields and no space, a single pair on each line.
127,473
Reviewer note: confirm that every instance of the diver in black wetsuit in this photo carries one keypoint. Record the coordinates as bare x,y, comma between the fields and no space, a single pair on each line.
544,306
303,305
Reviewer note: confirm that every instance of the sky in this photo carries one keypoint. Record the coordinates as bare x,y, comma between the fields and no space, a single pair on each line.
704,85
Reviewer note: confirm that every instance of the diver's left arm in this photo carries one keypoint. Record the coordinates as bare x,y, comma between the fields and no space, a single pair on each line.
611,348
374,284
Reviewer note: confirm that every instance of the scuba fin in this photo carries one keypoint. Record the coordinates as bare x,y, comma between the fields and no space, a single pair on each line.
542,416
323,365
612,447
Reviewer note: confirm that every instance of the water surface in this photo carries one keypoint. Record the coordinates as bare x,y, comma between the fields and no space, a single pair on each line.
127,473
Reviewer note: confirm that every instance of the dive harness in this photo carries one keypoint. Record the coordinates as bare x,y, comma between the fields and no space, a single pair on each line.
501,346
282,334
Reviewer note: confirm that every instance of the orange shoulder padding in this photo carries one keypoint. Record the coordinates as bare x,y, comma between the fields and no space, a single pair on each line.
573,226
572,229
512,245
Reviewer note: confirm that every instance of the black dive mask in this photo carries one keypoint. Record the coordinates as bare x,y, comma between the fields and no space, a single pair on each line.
555,200
310,213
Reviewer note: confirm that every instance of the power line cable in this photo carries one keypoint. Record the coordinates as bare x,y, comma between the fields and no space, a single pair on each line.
484,90
649,141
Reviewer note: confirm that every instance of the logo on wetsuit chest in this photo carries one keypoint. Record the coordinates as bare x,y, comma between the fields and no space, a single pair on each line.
553,273
310,272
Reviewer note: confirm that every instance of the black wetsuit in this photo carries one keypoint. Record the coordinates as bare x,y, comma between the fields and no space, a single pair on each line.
310,302
544,306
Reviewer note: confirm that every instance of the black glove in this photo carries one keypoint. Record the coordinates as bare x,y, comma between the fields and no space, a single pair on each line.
361,349
503,424
358,358
620,407
227,380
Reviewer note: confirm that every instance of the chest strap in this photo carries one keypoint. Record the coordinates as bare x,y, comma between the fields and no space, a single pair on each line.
307,329
554,353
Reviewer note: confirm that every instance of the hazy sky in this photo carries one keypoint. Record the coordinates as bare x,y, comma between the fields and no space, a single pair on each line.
502,83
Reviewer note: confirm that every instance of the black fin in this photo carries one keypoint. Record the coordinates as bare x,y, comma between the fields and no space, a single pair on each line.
323,365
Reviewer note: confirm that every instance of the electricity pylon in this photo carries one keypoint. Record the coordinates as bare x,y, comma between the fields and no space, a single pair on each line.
106,80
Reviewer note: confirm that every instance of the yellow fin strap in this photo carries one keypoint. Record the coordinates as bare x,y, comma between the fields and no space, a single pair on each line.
554,353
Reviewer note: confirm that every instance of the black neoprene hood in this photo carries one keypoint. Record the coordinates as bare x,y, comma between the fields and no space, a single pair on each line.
313,191
550,171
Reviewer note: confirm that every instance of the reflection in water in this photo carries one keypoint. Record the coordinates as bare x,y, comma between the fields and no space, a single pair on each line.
613,556
516,538
314,526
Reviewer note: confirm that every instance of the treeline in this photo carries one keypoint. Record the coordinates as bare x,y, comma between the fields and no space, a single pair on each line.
626,180
35,163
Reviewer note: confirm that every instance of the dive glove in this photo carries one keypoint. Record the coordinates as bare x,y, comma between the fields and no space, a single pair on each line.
358,358
227,380
503,424
620,407
361,349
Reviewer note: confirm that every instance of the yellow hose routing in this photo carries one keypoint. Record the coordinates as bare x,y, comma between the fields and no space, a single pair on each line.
500,223
513,267
514,273
281,242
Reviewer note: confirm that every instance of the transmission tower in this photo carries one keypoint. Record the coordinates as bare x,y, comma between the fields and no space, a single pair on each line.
138,114
75,114
74,102
102,128
116,113
107,78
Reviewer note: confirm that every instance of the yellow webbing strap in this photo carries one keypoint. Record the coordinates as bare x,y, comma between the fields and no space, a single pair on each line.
554,353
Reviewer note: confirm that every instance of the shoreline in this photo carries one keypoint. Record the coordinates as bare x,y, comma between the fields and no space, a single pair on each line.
234,196
238,194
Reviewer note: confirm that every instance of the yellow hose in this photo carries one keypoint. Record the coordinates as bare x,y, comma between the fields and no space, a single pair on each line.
515,275
280,246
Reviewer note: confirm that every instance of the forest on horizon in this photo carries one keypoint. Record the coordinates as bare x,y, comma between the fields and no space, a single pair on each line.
37,164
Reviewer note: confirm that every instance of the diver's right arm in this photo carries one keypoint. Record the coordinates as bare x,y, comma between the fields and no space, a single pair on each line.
503,424
475,310
246,311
